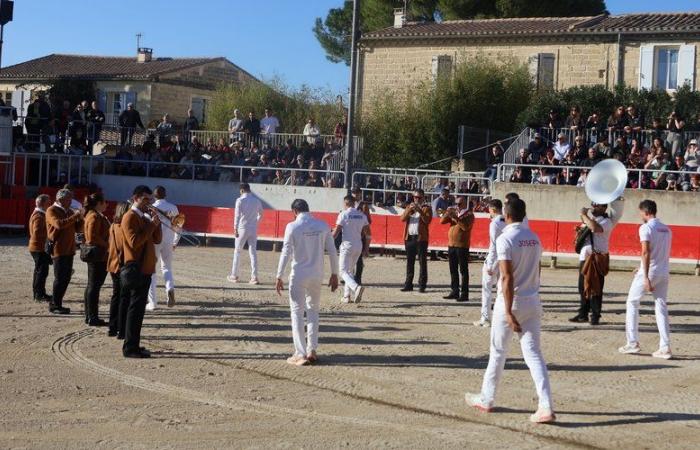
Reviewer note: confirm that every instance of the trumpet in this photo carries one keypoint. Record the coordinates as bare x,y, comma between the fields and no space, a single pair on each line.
176,220
176,225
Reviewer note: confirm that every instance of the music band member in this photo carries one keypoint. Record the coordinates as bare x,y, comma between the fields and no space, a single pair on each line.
518,310
417,217
139,236
97,236
118,304
653,278
165,249
248,211
62,224
37,248
305,242
353,226
594,261
490,273
461,221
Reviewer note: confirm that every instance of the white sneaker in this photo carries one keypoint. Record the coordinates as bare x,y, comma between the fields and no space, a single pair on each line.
358,293
150,306
475,401
663,353
629,349
345,300
482,323
253,281
232,279
543,415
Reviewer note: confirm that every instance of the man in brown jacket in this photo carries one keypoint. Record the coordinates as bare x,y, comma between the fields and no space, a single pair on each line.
140,233
61,226
37,243
461,221
417,217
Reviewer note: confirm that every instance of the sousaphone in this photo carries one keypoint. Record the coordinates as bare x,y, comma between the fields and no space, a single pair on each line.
606,181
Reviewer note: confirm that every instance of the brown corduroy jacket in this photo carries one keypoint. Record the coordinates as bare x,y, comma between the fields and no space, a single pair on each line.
37,231
139,237
460,231
61,226
426,216
116,249
595,266
97,231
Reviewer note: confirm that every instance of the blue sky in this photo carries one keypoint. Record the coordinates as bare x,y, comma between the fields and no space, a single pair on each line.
267,38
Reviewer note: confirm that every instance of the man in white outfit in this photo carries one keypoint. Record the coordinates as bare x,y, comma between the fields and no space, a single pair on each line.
489,273
305,241
248,212
354,226
652,277
164,250
518,309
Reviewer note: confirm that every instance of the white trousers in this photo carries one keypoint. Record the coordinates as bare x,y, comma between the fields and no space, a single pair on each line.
528,312
348,262
660,294
305,297
164,255
487,283
251,238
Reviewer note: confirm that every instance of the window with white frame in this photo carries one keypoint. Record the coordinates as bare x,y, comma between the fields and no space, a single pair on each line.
666,67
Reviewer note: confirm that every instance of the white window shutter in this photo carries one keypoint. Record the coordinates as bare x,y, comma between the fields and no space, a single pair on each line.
434,67
686,66
441,67
546,71
646,67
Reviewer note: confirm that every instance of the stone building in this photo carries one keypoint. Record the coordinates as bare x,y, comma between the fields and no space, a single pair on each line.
154,85
640,50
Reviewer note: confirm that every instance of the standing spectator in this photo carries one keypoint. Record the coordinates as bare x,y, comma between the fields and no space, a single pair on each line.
574,121
129,119
561,147
618,120
341,131
96,120
164,130
269,124
78,127
63,118
674,138
658,129
417,217
37,122
191,124
311,131
635,122
251,127
37,243
595,127
235,125
461,221
553,121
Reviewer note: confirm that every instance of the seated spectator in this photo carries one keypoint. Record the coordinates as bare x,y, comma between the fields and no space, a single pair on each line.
592,159
694,183
279,178
561,147
672,183
691,154
657,146
313,180
525,172
195,146
683,179
536,148
620,149
661,163
149,147
225,174
574,121
579,149
519,177
495,158
581,182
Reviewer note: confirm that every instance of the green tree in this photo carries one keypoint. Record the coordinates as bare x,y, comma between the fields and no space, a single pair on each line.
333,32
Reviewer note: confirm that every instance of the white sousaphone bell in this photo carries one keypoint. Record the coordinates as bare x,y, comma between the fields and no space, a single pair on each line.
606,181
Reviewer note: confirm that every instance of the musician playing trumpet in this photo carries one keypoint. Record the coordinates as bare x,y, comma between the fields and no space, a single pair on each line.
171,232
416,217
461,221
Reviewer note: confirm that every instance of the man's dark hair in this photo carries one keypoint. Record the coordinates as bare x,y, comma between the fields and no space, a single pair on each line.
245,187
300,205
419,191
140,190
496,204
512,196
648,206
445,190
159,192
68,187
356,190
349,199
515,209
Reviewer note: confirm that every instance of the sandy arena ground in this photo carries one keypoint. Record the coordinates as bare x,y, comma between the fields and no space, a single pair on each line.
393,373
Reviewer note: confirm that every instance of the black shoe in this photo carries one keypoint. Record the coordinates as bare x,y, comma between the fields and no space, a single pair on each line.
407,289
463,299
595,320
59,310
421,290
451,296
111,333
97,323
43,298
140,353
578,319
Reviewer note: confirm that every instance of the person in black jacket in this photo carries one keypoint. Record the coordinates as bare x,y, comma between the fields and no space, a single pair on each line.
251,127
129,119
78,126
37,122
96,119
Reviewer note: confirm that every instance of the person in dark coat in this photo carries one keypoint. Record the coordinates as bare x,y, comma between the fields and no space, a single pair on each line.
129,119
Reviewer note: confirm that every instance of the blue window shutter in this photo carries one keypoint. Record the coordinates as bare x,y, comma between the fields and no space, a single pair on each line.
101,100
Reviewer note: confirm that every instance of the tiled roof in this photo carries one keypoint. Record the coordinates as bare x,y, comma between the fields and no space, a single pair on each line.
98,67
536,26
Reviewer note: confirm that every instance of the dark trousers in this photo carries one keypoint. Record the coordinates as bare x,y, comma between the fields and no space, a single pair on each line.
358,270
137,297
459,265
414,248
127,136
116,322
62,272
594,304
97,272
41,271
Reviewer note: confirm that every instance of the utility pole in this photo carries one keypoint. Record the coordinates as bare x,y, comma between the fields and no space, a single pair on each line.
354,54
138,41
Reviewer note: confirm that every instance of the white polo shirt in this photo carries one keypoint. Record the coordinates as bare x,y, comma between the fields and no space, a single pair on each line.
522,247
659,238
496,227
601,241
166,224
560,150
269,125
305,242
248,212
352,221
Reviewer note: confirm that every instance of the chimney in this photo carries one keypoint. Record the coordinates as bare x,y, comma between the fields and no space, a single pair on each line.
145,55
399,17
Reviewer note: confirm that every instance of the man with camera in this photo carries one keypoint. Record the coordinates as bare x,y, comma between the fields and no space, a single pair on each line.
417,217
461,221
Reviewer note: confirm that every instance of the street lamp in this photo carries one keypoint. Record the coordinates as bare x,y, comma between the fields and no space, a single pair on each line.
6,8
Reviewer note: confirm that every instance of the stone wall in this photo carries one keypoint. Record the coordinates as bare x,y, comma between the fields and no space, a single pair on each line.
174,99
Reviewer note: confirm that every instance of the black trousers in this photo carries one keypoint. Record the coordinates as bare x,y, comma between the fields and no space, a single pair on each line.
97,272
62,272
41,271
459,265
127,136
416,248
115,306
594,304
137,296
358,270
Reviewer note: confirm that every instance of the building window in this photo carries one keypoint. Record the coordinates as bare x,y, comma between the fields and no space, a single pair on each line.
199,109
666,68
542,67
441,68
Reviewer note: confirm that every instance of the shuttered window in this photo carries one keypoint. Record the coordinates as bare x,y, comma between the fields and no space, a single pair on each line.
666,67
441,68
542,66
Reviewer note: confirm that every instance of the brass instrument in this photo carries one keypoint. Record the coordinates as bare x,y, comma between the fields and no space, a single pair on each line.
176,225
176,220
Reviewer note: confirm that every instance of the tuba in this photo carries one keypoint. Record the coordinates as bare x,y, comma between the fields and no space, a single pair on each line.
606,181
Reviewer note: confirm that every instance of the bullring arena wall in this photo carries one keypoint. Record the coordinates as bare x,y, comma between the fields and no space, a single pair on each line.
552,211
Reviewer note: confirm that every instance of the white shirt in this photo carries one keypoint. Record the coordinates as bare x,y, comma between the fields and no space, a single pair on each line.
305,241
496,227
522,247
413,223
248,212
75,205
312,131
659,237
353,222
171,210
560,150
269,125
138,212
601,241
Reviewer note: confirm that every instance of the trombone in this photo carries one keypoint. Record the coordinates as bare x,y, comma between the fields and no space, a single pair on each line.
176,222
